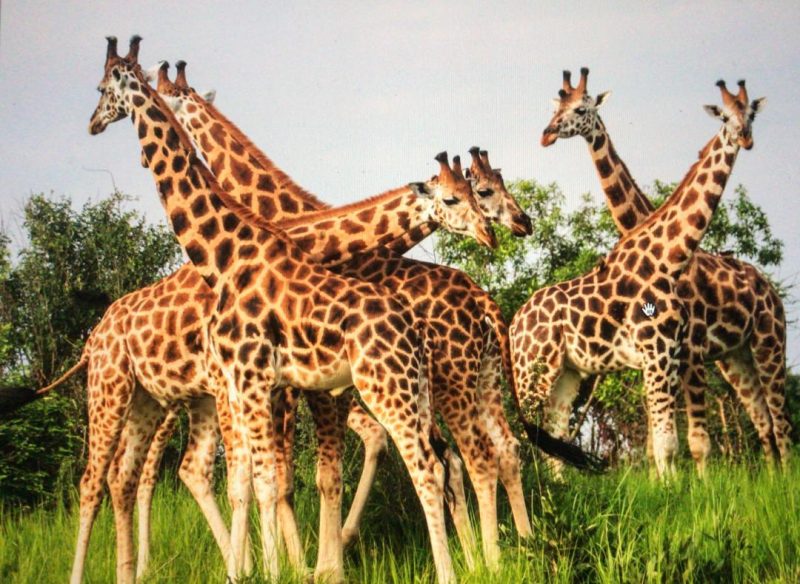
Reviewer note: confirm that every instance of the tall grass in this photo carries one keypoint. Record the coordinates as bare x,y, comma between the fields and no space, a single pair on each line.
740,524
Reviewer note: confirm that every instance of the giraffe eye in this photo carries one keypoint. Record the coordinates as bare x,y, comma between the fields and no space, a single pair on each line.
451,201
486,192
580,111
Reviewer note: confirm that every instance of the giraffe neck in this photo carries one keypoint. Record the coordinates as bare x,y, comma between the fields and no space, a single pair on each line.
335,235
671,234
249,176
206,221
627,203
411,238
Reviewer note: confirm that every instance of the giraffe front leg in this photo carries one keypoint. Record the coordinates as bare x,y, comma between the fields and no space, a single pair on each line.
375,440
237,457
255,385
284,410
238,484
661,385
693,375
330,441
147,483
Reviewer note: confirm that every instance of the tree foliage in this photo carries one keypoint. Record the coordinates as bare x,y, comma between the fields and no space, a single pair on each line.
69,267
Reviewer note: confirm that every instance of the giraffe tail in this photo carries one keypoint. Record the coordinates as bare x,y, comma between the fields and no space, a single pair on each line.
541,438
438,443
14,397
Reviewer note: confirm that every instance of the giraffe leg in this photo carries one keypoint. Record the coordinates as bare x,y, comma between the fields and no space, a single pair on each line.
411,434
197,468
739,371
506,447
143,420
284,409
661,380
109,400
147,483
693,376
374,437
558,410
255,386
466,423
330,441
237,459
769,358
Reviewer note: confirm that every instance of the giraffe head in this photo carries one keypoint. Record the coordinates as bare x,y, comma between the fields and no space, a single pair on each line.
495,202
576,110
121,75
737,113
179,95
453,205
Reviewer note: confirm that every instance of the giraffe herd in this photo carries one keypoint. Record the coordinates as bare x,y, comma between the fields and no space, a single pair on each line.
284,296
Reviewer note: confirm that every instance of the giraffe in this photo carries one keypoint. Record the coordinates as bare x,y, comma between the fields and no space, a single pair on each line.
627,313
171,297
279,318
493,198
736,316
231,155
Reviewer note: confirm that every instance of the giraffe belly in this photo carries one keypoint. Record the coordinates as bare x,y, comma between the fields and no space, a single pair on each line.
596,356
295,373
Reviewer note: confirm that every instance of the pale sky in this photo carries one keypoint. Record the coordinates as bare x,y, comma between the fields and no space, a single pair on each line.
353,98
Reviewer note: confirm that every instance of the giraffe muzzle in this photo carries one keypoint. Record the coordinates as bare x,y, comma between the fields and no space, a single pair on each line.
549,136
522,226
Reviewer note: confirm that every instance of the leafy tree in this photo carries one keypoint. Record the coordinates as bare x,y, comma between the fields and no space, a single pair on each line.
71,266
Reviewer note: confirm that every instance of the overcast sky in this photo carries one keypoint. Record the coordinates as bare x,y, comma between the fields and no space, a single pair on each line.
353,98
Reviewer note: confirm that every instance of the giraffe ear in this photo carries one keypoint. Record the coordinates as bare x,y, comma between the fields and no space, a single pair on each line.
420,189
713,110
601,98
556,102
210,95
173,102
151,74
758,104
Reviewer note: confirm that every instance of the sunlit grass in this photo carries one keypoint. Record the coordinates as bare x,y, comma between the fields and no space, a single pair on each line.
740,524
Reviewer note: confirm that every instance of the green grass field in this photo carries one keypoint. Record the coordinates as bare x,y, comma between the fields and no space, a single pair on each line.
742,524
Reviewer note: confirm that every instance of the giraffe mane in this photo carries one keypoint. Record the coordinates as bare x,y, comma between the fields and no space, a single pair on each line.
263,160
240,210
349,208
656,216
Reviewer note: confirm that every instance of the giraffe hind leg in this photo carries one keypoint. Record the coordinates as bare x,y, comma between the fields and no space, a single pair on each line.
147,482
375,440
505,443
197,467
109,402
144,418
769,358
739,371
558,409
